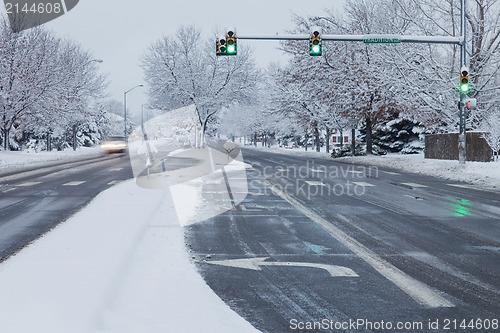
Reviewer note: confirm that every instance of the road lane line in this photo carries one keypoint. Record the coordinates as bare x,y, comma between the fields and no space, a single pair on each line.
314,183
363,184
392,173
29,184
116,169
417,290
413,197
460,186
414,185
10,189
74,183
244,208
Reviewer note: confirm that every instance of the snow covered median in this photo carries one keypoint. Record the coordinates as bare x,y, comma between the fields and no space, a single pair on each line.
120,265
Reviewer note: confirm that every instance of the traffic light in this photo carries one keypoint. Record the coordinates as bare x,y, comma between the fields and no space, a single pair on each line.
315,43
464,80
231,43
220,44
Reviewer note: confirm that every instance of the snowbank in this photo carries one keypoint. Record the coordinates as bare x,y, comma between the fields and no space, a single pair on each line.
120,265
475,173
18,159
295,151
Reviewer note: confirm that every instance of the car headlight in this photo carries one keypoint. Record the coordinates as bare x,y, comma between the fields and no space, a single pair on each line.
113,145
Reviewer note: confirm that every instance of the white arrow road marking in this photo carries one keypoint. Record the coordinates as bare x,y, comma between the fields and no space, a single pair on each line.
256,263
417,290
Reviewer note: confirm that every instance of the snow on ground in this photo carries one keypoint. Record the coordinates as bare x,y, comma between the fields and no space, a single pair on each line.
476,173
17,159
120,265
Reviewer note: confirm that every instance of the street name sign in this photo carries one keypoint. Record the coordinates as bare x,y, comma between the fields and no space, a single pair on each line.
381,39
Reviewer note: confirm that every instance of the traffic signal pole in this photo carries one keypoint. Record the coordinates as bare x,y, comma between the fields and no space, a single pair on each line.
462,137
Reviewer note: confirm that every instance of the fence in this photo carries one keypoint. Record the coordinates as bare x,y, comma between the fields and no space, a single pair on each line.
445,147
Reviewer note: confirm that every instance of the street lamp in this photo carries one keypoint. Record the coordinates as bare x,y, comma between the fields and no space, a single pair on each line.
125,108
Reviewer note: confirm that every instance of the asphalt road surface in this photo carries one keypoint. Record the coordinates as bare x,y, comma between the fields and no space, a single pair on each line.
323,246
35,200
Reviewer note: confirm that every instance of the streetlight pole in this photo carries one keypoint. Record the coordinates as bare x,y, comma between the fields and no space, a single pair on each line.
125,109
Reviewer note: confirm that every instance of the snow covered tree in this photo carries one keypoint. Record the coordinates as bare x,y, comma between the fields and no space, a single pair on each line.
414,82
27,72
183,69
46,84
350,80
79,88
491,125
437,67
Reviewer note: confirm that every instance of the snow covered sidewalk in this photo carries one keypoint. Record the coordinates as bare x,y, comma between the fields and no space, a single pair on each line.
476,173
119,265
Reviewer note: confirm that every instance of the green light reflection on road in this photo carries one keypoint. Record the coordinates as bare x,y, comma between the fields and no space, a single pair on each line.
460,207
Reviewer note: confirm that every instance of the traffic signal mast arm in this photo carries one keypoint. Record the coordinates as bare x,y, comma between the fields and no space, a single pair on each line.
360,38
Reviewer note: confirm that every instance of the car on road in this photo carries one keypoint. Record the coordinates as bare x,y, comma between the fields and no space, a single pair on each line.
114,144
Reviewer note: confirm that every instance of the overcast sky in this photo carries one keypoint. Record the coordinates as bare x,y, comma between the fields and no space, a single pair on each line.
120,31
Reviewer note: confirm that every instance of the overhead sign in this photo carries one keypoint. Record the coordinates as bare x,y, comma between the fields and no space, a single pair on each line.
382,39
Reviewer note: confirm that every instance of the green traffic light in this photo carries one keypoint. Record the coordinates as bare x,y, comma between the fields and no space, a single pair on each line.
231,49
464,81
316,49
